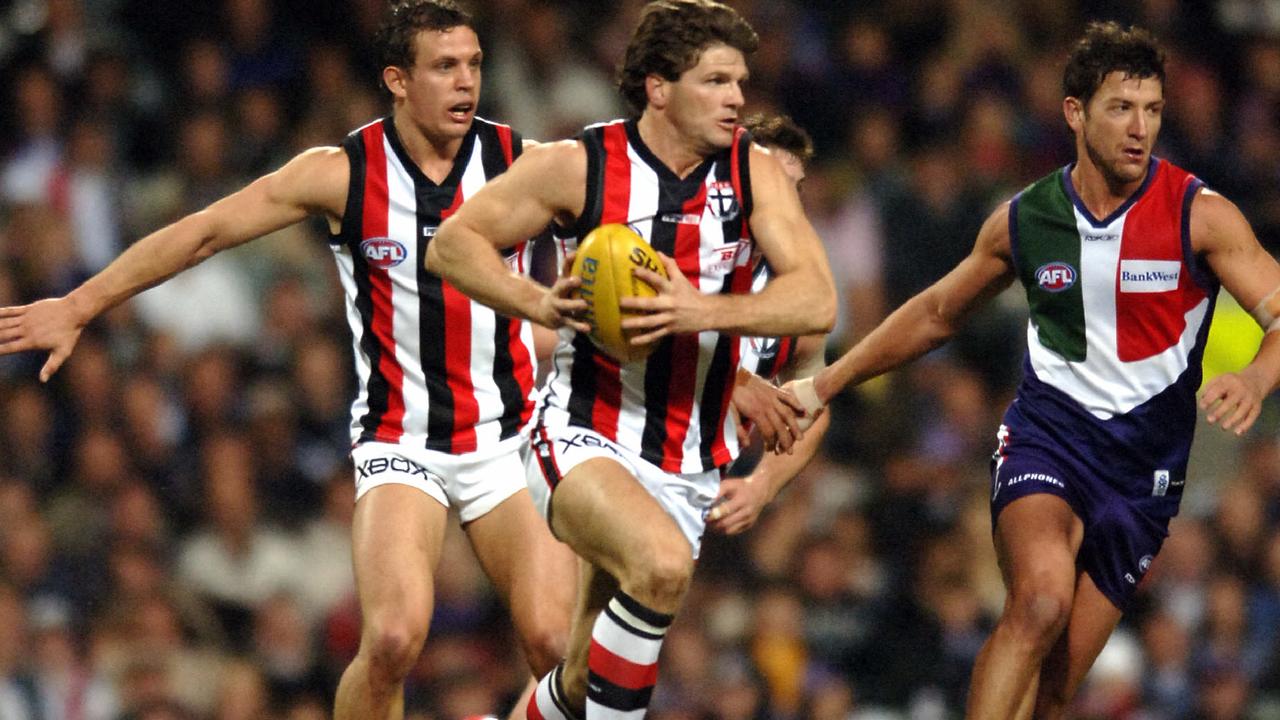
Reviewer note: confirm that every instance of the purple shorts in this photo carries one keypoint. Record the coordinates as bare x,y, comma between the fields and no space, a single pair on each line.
1124,505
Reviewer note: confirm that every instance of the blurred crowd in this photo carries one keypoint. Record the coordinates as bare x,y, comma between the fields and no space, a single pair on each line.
175,504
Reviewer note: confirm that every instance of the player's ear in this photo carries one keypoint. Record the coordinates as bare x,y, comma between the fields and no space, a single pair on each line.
395,78
1073,111
657,88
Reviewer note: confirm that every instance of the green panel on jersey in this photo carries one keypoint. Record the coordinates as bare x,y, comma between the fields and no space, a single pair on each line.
1048,256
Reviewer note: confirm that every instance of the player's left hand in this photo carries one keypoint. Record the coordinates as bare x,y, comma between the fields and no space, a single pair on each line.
1234,399
677,308
776,412
738,506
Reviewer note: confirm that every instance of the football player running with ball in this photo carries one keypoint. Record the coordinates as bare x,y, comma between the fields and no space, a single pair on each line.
627,456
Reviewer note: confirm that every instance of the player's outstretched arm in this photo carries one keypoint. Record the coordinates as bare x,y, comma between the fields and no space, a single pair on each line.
742,499
545,183
315,181
800,298
929,319
1222,235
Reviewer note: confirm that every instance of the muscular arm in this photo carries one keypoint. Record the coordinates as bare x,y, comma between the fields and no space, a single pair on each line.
546,182
1222,236
313,182
929,319
800,298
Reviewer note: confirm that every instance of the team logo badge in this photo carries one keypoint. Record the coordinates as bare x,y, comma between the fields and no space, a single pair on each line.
1055,276
383,253
722,201
765,347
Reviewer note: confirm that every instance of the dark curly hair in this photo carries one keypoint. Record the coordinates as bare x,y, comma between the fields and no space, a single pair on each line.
1106,48
780,131
403,21
671,36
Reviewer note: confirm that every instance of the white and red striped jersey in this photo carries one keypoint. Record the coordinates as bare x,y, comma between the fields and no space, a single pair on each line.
673,407
434,368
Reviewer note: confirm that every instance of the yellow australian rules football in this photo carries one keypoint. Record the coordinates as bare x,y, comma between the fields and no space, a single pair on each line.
604,262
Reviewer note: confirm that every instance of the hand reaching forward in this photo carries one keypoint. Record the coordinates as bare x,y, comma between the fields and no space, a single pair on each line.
738,506
678,307
1235,399
775,411
44,325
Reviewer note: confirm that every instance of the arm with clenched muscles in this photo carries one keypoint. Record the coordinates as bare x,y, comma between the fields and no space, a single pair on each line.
800,298
547,182
313,182
929,319
1222,235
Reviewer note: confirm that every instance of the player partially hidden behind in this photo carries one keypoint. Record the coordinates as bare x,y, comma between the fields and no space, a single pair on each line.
786,359
628,456
444,383
1121,255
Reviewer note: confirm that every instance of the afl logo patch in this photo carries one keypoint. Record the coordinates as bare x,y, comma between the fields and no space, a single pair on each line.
383,253
1055,276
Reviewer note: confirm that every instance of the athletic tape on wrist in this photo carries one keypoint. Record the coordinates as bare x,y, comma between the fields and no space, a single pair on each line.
1265,312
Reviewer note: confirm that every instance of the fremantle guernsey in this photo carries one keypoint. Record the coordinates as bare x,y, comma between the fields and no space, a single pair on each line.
1119,313
435,369
673,407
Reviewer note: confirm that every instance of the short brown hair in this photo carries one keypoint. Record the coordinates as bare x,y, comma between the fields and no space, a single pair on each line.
406,18
780,131
1106,48
671,36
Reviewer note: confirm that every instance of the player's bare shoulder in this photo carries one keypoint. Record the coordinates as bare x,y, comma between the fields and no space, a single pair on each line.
315,180
556,173
996,237
1216,223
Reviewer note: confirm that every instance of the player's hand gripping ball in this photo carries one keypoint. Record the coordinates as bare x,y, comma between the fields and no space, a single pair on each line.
604,262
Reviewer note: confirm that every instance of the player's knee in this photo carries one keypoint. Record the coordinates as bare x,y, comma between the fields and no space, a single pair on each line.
1039,611
545,645
664,576
392,645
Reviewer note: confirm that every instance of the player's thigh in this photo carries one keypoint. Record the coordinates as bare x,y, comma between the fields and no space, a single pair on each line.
396,533
1037,538
608,517
535,573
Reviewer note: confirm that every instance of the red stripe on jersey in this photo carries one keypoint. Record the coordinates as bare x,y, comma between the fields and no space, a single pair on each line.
617,176
684,347
457,342
374,225
616,209
532,712
619,670
504,139
735,173
1148,323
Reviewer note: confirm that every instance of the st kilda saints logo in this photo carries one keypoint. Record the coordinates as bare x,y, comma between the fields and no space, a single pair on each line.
722,201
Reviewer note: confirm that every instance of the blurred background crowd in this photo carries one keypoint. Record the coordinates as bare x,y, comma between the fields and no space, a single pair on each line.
175,504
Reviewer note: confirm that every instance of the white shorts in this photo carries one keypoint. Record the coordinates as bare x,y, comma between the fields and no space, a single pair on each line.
474,483
556,448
